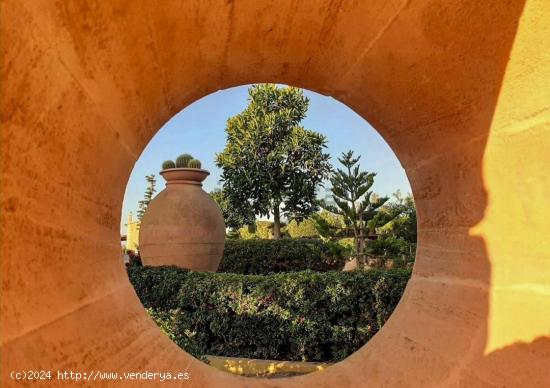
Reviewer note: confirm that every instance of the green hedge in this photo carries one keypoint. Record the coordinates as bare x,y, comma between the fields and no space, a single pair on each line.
307,315
261,257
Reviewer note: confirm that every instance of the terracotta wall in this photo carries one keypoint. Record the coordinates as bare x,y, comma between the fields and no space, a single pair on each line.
459,89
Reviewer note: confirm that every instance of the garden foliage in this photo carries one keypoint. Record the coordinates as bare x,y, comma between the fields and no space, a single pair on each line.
271,165
305,316
262,256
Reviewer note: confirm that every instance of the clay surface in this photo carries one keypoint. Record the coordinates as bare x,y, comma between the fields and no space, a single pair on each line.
183,225
459,89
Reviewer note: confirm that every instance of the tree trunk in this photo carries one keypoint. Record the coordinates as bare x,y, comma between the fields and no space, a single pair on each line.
361,253
358,247
276,223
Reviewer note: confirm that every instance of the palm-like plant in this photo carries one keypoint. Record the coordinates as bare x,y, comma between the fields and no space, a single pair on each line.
353,200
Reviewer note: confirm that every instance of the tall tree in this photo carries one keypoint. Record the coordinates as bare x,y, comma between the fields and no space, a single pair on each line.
149,191
354,202
271,165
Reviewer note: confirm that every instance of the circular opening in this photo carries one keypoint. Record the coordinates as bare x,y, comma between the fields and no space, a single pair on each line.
88,84
277,306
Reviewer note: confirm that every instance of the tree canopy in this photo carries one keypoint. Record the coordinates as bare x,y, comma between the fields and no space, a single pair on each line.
271,165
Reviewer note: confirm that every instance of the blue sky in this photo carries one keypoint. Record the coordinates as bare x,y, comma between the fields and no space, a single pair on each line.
199,130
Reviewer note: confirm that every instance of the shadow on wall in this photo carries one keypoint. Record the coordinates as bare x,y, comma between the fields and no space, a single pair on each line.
535,361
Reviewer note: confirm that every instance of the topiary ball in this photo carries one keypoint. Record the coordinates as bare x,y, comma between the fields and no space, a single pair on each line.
168,164
183,160
194,163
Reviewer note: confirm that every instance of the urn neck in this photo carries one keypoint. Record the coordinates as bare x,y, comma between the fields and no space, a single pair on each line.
178,182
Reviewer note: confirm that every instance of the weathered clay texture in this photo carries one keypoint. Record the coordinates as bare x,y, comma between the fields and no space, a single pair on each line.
459,89
183,225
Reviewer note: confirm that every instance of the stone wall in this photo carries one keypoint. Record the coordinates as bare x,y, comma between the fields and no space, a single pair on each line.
459,89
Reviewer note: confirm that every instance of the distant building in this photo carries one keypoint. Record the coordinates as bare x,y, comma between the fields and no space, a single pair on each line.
132,234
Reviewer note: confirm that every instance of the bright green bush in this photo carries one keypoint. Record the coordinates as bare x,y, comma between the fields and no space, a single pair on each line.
306,228
308,316
346,242
261,256
260,229
321,224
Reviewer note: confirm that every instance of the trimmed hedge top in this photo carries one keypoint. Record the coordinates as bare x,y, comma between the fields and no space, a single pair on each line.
261,257
308,316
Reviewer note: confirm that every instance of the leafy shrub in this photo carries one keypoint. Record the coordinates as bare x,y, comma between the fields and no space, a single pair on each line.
309,316
157,287
404,223
166,321
394,247
306,228
259,229
284,255
321,224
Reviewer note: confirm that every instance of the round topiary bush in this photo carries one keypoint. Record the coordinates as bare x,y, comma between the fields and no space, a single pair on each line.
194,163
168,164
183,160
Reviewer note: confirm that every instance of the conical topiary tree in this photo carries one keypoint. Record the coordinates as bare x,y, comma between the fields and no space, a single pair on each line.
353,201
